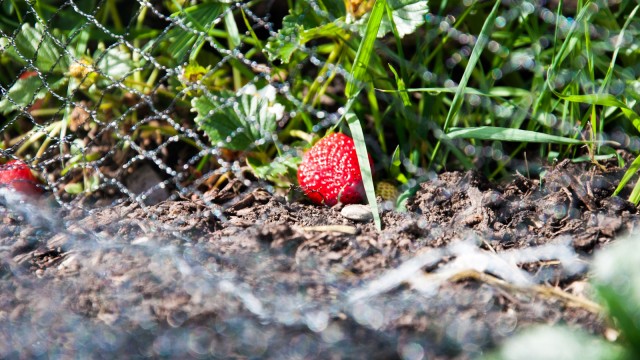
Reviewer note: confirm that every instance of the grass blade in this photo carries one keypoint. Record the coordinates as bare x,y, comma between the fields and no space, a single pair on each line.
507,134
632,170
234,41
365,168
363,56
497,91
617,47
604,100
483,40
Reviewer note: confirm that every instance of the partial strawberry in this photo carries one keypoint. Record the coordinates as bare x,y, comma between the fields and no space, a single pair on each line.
329,172
17,175
27,74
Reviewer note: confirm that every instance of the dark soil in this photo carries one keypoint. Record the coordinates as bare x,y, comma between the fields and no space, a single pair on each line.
243,273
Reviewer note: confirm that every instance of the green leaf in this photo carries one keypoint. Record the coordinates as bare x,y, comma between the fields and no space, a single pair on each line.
365,167
402,89
198,18
335,8
394,169
361,62
296,31
33,45
557,343
25,92
483,40
507,134
408,15
403,198
617,280
114,62
284,45
276,170
243,122
74,188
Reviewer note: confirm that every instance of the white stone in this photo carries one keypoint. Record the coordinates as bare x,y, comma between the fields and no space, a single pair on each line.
357,212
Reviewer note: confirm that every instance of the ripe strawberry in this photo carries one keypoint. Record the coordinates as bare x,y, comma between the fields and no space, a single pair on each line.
17,175
329,172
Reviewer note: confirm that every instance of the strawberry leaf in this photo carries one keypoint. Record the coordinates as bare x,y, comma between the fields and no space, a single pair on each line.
277,171
114,62
32,46
288,40
297,30
241,122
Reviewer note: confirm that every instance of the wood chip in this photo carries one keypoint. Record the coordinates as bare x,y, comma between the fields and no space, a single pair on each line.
346,229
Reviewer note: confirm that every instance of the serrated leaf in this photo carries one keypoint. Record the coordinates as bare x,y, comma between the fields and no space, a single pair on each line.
296,31
276,170
242,123
22,93
287,41
32,45
408,15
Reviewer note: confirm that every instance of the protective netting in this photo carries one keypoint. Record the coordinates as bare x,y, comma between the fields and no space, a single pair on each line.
133,114
109,110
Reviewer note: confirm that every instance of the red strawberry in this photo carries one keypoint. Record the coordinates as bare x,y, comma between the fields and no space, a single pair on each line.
329,172
17,175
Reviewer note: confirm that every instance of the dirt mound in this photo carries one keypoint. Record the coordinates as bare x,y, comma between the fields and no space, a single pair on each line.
255,275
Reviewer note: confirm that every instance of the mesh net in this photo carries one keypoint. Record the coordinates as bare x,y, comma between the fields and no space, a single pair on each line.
92,106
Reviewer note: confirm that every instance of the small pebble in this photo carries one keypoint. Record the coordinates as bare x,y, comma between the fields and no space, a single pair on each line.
357,212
